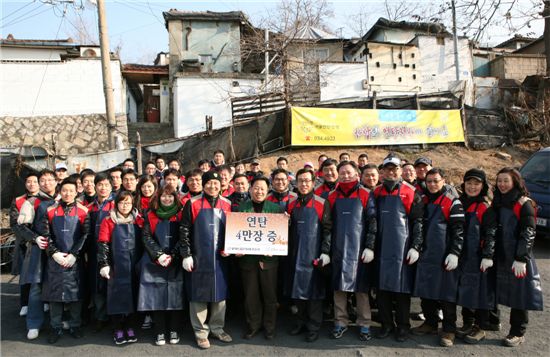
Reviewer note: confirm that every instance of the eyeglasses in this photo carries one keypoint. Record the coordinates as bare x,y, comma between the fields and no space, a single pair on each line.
305,181
433,181
279,179
122,203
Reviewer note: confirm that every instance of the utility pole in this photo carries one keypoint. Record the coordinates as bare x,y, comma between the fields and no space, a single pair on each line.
455,40
106,70
546,15
266,58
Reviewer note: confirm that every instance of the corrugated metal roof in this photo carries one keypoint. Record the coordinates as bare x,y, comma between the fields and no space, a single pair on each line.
175,14
311,33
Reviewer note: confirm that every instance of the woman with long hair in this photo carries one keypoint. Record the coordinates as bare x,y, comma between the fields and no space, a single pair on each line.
146,188
518,280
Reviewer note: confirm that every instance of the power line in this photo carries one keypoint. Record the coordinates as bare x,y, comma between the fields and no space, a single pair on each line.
16,11
22,18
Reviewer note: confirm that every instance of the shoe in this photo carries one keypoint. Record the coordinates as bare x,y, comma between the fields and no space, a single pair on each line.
439,315
418,317
269,335
338,331
99,326
312,336
293,309
131,335
424,329
46,307
364,333
383,332
66,325
223,337
119,337
297,329
475,335
513,341
250,333
32,334
76,332
174,338
447,339
55,335
203,343
147,323
23,311
464,330
491,327
402,335
160,341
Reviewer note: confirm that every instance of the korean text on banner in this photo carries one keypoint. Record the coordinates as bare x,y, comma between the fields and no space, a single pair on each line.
341,127
256,233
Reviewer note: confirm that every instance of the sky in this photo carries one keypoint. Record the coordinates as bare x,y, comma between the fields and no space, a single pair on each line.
137,27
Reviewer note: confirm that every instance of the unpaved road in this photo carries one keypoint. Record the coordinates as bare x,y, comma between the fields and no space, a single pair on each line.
14,343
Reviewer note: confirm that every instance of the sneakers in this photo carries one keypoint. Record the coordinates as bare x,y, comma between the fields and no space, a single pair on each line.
147,323
364,333
23,311
464,330
130,336
55,335
223,337
513,341
203,343
46,307
401,334
447,339
424,329
119,337
160,340
174,338
338,331
66,325
32,334
476,335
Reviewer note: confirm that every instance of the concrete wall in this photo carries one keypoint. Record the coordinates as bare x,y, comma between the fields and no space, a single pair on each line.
164,101
217,38
31,54
342,80
62,88
517,66
437,62
196,97
392,35
72,134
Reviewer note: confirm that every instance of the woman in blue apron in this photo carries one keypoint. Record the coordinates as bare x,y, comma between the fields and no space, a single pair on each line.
118,252
476,285
161,278
518,279
66,227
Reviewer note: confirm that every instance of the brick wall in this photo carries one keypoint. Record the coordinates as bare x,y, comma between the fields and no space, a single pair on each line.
517,66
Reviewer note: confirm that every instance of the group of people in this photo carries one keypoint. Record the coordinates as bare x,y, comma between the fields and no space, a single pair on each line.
122,246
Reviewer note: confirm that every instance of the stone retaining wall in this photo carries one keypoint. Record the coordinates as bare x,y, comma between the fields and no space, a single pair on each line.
72,134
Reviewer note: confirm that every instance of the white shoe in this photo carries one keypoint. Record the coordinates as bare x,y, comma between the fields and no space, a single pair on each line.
23,311
46,307
32,334
66,325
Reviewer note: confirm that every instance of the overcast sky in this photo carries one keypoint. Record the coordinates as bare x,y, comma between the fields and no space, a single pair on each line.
137,26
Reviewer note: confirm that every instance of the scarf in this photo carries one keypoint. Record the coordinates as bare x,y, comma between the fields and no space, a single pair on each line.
506,200
391,185
120,219
347,187
167,212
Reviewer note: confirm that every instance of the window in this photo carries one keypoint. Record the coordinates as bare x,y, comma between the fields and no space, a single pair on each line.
414,66
372,78
412,55
203,59
370,55
407,65
377,64
414,76
394,65
400,79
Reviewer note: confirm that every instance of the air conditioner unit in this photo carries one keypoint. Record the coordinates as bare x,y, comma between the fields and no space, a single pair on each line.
365,83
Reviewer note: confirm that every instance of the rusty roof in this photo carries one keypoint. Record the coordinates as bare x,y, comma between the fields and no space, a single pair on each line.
144,68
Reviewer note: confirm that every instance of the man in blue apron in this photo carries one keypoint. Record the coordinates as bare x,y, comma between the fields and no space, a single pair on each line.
436,275
32,268
309,248
353,238
400,212
66,225
202,233
329,171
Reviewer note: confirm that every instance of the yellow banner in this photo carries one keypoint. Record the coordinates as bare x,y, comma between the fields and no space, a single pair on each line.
353,127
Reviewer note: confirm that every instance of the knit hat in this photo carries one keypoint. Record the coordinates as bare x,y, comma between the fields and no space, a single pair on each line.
475,174
210,175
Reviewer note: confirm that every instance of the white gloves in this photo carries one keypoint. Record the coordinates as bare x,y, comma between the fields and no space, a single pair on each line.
70,260
412,256
324,259
485,264
164,260
187,264
42,242
104,272
451,262
519,269
367,256
59,258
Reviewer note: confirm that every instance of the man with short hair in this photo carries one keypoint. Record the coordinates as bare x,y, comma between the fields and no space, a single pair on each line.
255,170
128,164
225,179
115,174
330,177
129,181
362,161
87,177
150,169
320,160
344,157
282,163
241,194
204,165
369,177
219,159
161,167
194,184
422,165
280,193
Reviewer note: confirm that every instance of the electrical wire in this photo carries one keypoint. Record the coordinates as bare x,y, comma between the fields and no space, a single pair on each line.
16,11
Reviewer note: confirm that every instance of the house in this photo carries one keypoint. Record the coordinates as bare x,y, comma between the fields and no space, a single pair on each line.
205,67
402,57
52,96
